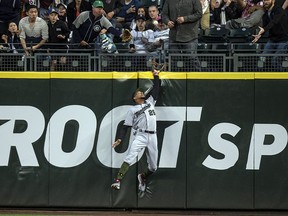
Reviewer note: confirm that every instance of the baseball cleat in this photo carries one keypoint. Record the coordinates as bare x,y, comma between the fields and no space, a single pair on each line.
116,184
142,183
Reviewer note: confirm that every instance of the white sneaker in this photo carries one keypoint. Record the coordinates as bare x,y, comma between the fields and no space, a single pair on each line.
116,184
142,183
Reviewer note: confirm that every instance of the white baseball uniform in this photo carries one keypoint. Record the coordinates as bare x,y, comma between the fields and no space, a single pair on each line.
142,119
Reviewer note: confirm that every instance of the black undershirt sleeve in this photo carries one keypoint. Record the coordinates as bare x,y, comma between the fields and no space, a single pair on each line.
123,131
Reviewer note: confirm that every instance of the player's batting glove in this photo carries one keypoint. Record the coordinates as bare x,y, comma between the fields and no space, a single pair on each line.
116,143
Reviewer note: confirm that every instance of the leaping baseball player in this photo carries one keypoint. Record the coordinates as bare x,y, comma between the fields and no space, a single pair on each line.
142,119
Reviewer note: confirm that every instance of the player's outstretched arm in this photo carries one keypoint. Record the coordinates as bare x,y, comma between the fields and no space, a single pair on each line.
156,84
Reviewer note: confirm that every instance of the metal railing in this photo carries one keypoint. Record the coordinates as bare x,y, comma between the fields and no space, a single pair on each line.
210,58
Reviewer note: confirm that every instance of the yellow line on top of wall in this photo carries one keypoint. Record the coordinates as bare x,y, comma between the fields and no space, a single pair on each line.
144,75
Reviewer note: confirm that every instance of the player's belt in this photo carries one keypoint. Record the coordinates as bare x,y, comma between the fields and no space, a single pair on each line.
146,131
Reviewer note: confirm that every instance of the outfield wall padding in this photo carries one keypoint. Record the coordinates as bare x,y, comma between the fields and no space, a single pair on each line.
222,140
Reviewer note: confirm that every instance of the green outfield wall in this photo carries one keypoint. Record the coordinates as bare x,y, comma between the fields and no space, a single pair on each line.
222,140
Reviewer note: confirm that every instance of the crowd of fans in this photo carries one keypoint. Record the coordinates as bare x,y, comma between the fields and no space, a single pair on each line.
29,25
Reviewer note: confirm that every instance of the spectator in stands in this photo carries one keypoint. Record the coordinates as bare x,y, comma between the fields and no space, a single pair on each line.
231,8
9,12
12,39
143,43
127,13
182,18
140,11
75,8
215,11
44,8
205,20
141,36
58,36
275,21
62,11
161,34
25,4
111,8
33,30
251,15
154,17
88,25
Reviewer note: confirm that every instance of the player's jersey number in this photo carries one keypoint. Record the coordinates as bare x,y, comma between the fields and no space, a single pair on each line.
151,112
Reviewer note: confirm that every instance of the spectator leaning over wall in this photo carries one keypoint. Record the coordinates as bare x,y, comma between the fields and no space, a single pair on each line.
251,15
33,30
89,24
275,21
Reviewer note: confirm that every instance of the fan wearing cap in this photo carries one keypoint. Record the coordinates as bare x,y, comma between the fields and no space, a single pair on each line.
62,11
33,30
88,25
141,10
58,30
58,36
141,36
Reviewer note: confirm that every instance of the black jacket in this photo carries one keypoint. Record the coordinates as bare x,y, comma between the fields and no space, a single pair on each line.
9,9
277,25
58,28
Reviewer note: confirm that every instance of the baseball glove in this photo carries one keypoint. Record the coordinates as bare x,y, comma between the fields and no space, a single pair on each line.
158,66
126,36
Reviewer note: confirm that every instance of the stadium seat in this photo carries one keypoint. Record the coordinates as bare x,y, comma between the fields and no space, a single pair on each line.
215,34
215,39
241,40
241,35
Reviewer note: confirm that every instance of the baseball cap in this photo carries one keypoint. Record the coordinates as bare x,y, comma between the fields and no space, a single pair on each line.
140,16
61,3
98,4
53,10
